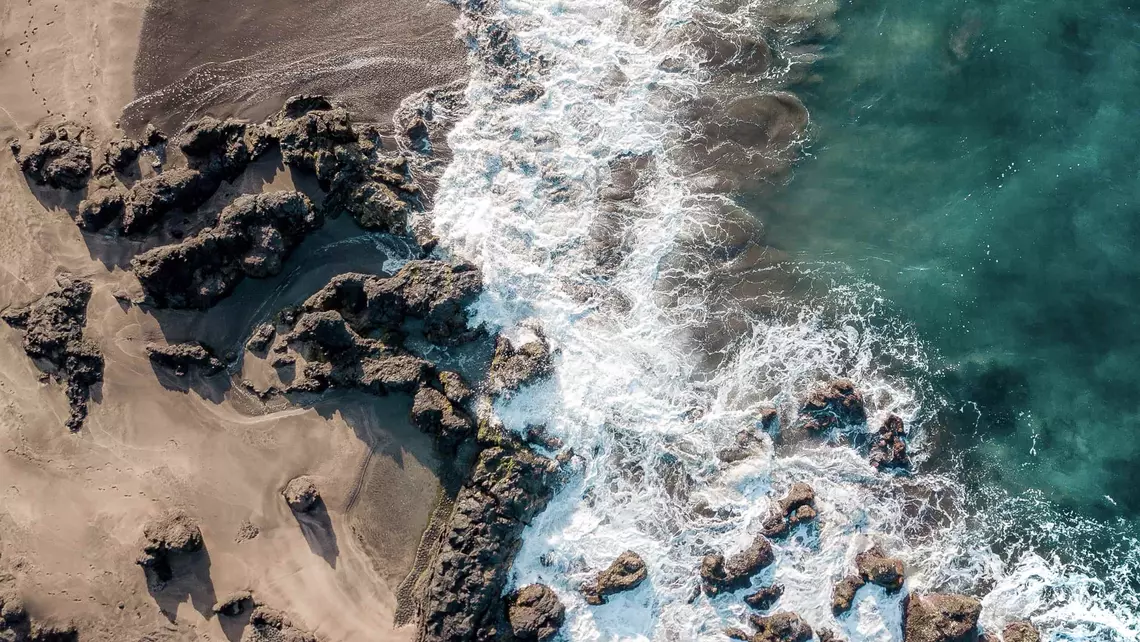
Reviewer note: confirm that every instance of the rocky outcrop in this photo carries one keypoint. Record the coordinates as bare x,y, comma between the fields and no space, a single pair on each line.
519,361
234,604
535,613
626,573
763,599
17,625
463,600
779,627
60,161
100,208
53,338
889,450
262,336
835,404
170,533
151,200
872,566
271,625
121,152
940,617
301,494
222,149
434,413
181,358
797,507
745,444
253,236
1020,631
719,575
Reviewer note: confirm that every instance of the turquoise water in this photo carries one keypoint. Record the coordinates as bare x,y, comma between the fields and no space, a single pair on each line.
980,164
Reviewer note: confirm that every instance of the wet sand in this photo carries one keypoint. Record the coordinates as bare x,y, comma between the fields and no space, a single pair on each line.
74,504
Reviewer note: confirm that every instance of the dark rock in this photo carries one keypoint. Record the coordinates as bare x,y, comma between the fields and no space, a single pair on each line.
262,336
794,509
234,604
122,152
223,149
309,140
1020,631
375,205
877,568
509,485
297,106
744,446
435,414
454,388
844,592
180,358
172,532
940,617
151,199
246,531
100,208
626,573
889,451
283,361
271,625
152,136
719,575
301,494
515,364
836,404
764,598
827,635
53,338
734,633
780,627
535,613
253,237
61,164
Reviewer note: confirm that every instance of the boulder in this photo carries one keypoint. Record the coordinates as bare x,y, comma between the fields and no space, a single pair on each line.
271,625
836,404
940,617
719,575
827,635
535,613
152,199
181,358
253,237
53,337
301,494
889,450
519,361
779,627
58,163
262,336
1020,631
875,567
435,414
100,208
763,599
454,388
121,152
167,534
843,595
222,149
626,573
796,508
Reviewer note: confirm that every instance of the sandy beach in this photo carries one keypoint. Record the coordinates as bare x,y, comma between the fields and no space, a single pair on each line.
74,503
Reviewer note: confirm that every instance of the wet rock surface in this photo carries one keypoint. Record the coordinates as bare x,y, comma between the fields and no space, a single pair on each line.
520,360
763,599
182,358
626,573
167,534
1020,631
940,617
720,575
888,452
262,336
535,613
843,595
253,236
873,566
301,494
53,337
834,405
795,508
779,627
271,625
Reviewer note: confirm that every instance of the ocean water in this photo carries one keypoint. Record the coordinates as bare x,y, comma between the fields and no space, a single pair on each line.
693,267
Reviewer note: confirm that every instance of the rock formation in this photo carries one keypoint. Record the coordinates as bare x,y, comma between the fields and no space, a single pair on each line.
779,627
167,534
940,617
435,414
262,336
519,361
872,566
253,236
719,575
181,358
271,625
1020,631
234,604
53,338
764,598
222,149
60,161
626,573
535,613
121,152
835,404
889,450
301,494
796,508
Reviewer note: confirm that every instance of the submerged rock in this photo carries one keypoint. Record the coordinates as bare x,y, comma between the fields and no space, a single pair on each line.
253,237
53,337
271,625
626,573
169,533
520,361
180,358
940,618
889,451
58,163
796,508
836,404
535,613
719,575
301,494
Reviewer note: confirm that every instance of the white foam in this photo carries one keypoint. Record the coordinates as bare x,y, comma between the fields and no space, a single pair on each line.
518,199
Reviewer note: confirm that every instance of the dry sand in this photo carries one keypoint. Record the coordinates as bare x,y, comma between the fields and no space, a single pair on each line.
74,504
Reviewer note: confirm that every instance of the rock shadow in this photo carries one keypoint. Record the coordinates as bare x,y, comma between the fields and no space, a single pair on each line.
212,388
184,577
233,626
316,526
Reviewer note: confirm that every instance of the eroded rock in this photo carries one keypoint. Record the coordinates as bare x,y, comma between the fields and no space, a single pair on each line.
719,575
271,625
835,404
151,200
262,336
940,617
1020,631
626,573
100,209
872,566
181,358
763,599
223,149
889,450
301,494
779,627
234,604
435,414
796,508
60,163
535,613
843,595
519,361
169,533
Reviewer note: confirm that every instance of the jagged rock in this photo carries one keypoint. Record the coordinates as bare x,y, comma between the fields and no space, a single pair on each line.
434,413
779,627
299,105
180,358
719,575
535,613
1020,631
626,573
58,163
889,451
844,592
301,494
169,533
271,625
519,362
838,403
100,208
875,567
795,508
246,531
454,388
764,598
153,136
223,148
940,617
151,199
253,237
509,485
827,635
283,361
309,139
374,205
261,338
744,446
121,152
53,338
234,604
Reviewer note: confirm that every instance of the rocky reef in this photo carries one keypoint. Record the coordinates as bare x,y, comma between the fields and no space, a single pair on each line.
626,573
797,507
833,405
53,338
872,566
779,627
535,613
719,575
940,617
